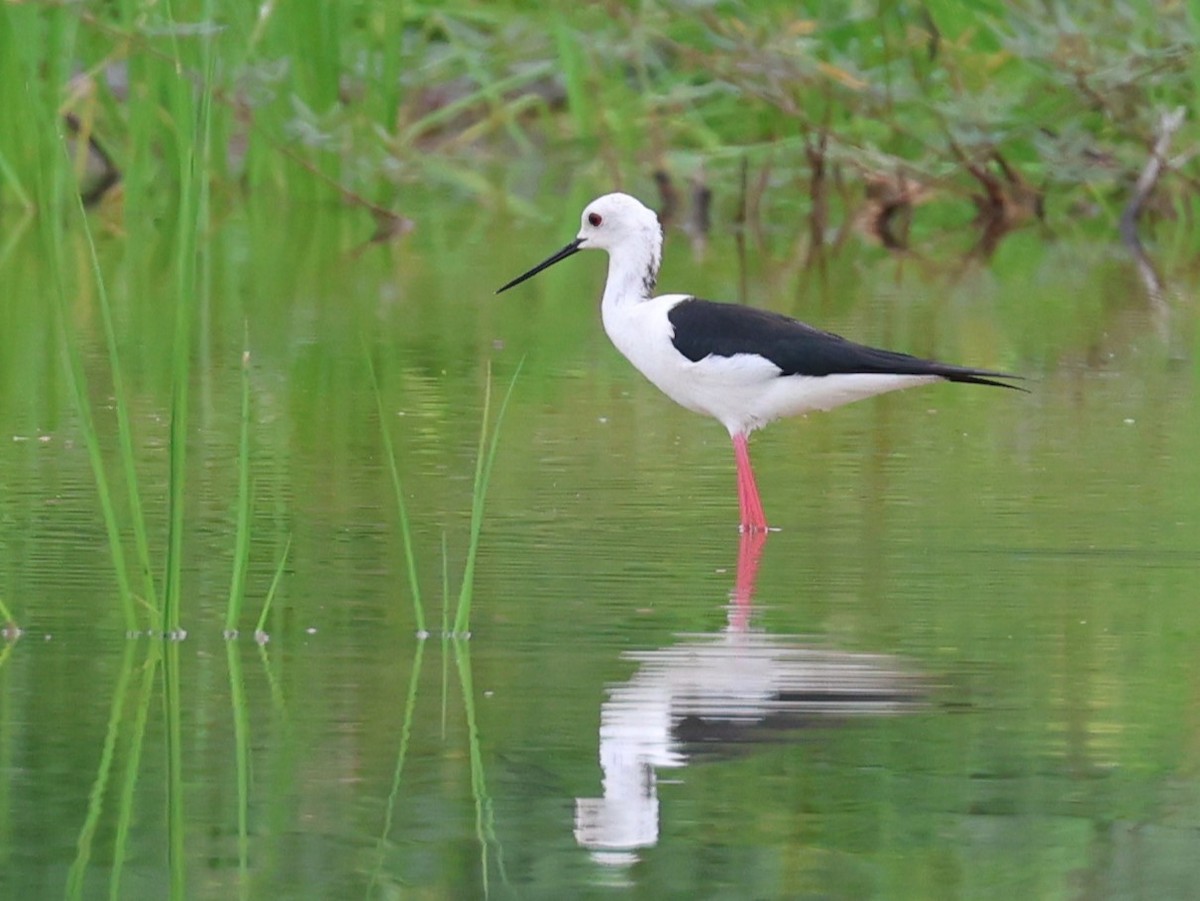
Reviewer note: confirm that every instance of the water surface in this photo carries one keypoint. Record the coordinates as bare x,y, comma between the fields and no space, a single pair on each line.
963,667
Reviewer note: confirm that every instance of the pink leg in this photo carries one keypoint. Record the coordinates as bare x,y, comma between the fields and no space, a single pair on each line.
753,518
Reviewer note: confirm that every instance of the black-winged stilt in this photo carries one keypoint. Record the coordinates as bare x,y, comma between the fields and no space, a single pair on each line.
743,366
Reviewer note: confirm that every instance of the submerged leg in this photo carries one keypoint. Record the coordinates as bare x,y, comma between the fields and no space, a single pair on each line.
753,518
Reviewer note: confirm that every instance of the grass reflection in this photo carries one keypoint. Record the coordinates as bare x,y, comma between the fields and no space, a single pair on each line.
241,745
485,820
75,875
133,766
76,885
176,824
410,703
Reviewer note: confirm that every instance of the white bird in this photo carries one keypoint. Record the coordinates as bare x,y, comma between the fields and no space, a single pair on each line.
743,366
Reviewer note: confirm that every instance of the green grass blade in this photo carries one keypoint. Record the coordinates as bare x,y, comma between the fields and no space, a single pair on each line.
191,113
181,359
178,439
484,461
83,407
124,429
463,611
398,487
260,629
241,552
445,587
445,633
51,189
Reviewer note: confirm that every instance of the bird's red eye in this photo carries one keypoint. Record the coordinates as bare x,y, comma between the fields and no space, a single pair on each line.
595,219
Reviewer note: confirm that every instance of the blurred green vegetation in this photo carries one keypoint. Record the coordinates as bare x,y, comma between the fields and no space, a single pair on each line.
983,109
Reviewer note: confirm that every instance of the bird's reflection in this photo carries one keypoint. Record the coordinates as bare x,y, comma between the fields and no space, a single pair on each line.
710,693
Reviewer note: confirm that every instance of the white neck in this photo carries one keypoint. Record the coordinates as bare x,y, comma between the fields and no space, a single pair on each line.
632,272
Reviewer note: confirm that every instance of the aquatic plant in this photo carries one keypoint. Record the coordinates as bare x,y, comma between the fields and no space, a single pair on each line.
485,457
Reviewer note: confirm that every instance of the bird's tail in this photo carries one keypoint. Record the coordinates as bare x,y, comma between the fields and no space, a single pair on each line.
981,377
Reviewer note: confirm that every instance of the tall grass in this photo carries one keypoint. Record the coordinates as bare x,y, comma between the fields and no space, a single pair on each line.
53,186
489,437
485,458
191,120
260,629
78,383
241,551
410,557
124,429
191,117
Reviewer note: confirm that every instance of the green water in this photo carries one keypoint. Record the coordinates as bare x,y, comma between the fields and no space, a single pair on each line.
1008,580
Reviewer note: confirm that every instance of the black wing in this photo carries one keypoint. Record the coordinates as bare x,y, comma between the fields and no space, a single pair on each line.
704,328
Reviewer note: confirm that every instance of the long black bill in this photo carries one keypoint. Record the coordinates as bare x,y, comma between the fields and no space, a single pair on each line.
571,248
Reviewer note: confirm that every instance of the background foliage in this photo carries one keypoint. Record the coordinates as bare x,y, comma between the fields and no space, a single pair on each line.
982,109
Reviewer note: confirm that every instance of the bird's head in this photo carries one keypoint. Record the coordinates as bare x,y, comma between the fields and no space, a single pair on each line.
614,220
617,223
